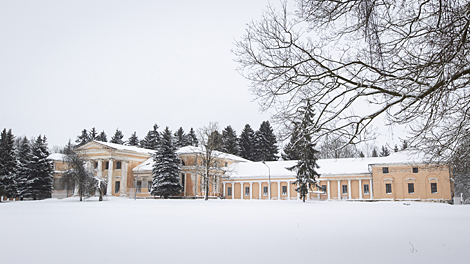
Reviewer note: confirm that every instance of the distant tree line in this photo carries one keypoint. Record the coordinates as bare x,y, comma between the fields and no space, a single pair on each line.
25,170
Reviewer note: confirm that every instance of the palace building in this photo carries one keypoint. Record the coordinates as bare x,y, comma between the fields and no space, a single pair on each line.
400,176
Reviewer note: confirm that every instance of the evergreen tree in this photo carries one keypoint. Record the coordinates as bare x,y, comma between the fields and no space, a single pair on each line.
230,141
290,152
181,140
247,140
8,164
404,145
361,154
117,138
374,152
384,152
395,149
83,138
24,166
305,168
215,140
93,135
102,137
166,168
133,140
192,138
152,139
265,143
39,182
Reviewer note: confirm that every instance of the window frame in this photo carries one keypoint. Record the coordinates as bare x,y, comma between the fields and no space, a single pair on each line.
265,190
344,190
388,188
149,186
433,189
229,190
284,192
247,191
366,190
415,169
118,165
412,189
138,187
385,170
117,186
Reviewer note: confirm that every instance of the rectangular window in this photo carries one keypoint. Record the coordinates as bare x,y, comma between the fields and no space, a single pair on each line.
247,191
183,180
265,190
388,188
229,191
139,187
385,170
433,187
117,186
366,188
149,186
118,165
106,167
323,188
284,190
345,189
96,165
415,169
411,188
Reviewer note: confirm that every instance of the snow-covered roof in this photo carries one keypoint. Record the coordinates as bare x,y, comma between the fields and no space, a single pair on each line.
122,147
348,166
144,166
56,156
218,154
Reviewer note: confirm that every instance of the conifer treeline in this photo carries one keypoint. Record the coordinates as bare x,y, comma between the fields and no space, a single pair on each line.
25,170
256,146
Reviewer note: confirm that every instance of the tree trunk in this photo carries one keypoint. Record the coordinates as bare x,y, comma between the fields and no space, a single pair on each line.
206,188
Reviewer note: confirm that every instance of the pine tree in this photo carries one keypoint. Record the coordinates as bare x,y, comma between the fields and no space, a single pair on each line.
180,138
102,137
24,166
39,182
166,168
152,139
374,152
265,143
305,168
117,138
192,138
133,140
215,140
404,145
230,141
361,154
395,149
384,152
247,140
8,165
83,138
290,151
93,135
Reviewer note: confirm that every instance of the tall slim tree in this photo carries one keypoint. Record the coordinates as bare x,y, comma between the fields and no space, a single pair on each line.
8,164
166,168
133,140
230,141
290,150
93,135
117,137
384,151
181,140
83,138
24,166
247,141
102,137
265,143
39,182
192,138
305,168
215,140
152,139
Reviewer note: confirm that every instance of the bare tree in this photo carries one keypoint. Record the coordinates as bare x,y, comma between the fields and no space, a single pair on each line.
406,61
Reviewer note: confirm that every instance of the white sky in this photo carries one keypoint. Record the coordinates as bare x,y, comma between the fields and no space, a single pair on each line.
70,65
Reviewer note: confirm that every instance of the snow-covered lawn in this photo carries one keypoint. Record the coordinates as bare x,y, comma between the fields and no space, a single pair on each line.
122,230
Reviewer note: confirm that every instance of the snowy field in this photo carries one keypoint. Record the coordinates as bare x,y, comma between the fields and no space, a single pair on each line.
122,230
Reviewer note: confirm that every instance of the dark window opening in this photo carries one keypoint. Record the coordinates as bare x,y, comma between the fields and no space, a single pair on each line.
118,165
229,191
411,188
345,189
117,186
106,167
385,170
284,190
415,169
247,191
433,187
388,188
366,188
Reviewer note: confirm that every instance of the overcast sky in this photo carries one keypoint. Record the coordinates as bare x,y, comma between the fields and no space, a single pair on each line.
70,65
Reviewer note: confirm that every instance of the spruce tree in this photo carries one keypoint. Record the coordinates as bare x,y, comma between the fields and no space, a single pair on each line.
374,152
247,140
384,152
39,182
152,139
117,138
290,150
133,140
230,141
166,168
305,168
8,165
361,154
24,166
215,140
192,138
93,135
181,139
265,143
102,137
83,138
395,149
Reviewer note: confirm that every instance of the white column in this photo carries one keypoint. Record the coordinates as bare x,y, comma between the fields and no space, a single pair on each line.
371,192
186,184
349,189
328,189
109,190
241,190
360,189
260,195
123,191
251,190
279,194
99,173
225,192
288,190
339,190
233,190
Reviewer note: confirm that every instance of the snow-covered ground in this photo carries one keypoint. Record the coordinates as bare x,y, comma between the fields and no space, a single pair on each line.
122,230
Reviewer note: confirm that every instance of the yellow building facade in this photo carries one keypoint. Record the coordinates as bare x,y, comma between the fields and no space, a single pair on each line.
400,176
